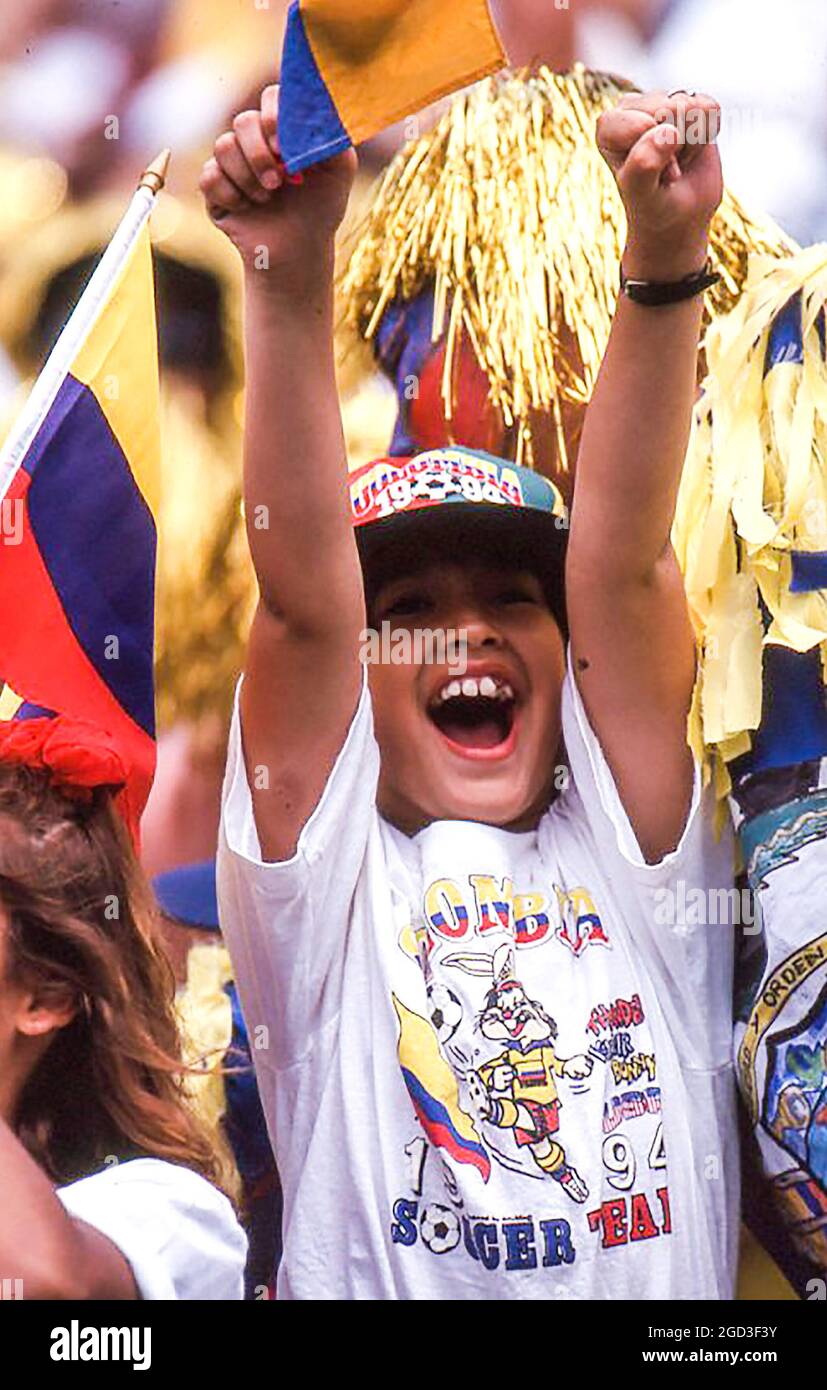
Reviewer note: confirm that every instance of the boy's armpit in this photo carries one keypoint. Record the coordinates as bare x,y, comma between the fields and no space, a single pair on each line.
601,795
297,702
348,796
635,665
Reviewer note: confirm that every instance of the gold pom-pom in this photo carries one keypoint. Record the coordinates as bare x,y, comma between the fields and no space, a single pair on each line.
753,491
508,210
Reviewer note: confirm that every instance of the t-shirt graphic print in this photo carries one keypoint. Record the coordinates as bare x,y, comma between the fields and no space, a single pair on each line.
537,1130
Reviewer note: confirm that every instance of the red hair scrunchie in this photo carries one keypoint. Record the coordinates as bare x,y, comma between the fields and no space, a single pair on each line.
78,755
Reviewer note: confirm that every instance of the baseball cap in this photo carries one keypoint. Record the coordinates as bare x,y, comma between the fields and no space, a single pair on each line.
189,894
454,503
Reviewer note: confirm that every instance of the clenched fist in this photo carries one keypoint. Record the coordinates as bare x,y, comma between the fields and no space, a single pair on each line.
662,152
502,1078
281,225
578,1067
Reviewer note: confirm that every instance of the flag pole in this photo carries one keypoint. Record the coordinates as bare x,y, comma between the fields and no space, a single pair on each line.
81,321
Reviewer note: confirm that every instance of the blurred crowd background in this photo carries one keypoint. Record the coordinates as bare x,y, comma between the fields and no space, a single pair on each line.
91,90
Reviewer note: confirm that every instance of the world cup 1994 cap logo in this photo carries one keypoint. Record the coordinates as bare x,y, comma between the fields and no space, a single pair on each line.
390,486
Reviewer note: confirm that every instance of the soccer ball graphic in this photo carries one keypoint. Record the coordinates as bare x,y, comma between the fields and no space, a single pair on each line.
439,1228
445,1011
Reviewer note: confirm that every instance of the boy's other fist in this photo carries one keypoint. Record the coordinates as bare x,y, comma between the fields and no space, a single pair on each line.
281,223
662,152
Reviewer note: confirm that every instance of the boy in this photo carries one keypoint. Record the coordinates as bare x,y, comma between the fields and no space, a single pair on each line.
487,1071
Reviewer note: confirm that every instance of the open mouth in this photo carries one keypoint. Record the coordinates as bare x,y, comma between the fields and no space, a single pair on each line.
476,715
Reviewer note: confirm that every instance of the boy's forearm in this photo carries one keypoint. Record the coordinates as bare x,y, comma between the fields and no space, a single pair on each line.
294,453
662,152
635,438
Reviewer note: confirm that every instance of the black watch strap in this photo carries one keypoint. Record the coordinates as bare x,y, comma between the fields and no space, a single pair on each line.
654,293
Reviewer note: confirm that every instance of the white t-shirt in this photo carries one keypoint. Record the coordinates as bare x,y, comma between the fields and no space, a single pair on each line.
487,1071
176,1231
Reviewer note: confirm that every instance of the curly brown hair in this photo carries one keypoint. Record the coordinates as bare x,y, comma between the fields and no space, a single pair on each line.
81,917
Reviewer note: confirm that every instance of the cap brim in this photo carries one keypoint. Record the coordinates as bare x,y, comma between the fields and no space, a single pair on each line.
482,533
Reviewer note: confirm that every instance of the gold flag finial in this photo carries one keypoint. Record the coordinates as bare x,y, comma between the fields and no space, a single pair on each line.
155,175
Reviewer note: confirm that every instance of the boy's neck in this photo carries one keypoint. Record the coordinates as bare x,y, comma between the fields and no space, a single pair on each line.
410,821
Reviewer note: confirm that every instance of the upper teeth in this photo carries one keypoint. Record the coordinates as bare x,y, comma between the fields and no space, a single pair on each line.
490,687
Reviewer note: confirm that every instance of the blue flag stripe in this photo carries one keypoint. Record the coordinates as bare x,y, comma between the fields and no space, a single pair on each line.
97,539
310,128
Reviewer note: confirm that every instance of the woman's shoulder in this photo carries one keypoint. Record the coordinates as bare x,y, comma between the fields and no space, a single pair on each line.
146,1173
177,1231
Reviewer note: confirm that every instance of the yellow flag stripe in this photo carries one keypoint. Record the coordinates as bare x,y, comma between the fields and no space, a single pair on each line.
118,362
381,59
419,1053
10,703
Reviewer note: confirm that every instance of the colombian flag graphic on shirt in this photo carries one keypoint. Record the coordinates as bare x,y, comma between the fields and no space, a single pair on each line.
350,68
77,586
432,1086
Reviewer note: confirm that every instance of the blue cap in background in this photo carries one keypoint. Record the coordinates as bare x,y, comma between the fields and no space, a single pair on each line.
189,894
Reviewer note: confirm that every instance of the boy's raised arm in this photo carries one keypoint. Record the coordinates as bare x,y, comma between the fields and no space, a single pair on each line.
303,674
632,644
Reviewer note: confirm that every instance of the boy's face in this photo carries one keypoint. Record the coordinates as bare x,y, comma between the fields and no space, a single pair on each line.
480,746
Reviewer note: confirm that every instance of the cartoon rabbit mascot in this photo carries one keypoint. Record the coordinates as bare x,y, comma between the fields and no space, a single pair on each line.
517,1089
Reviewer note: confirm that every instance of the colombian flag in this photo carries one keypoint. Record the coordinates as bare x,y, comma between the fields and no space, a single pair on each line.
350,68
78,536
433,1089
